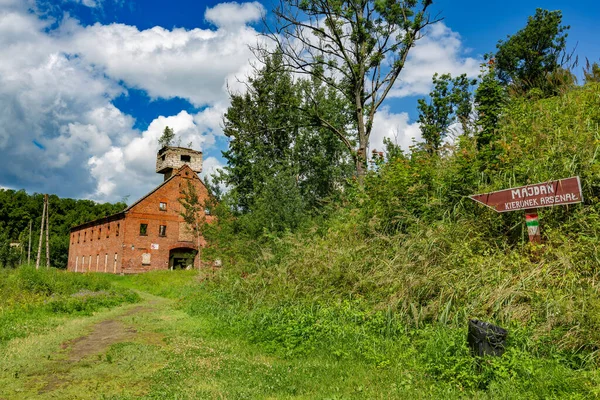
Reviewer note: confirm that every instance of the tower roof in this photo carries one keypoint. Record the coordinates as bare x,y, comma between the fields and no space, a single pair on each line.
172,158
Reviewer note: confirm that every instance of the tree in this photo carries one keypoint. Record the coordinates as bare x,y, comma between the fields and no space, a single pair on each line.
260,125
357,48
167,138
276,139
490,97
17,209
194,213
529,57
450,102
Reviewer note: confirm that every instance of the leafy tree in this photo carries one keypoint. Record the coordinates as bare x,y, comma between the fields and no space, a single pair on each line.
167,138
193,213
490,96
275,138
528,58
450,102
357,48
260,125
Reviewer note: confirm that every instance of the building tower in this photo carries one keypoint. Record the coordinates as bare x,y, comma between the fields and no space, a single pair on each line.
170,159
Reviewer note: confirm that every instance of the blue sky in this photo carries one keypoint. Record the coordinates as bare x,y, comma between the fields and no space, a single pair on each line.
86,86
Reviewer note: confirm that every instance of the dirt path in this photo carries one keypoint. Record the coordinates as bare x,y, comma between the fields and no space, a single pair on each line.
81,358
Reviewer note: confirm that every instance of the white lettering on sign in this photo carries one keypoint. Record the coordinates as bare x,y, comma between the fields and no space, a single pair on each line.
559,199
517,205
154,246
530,191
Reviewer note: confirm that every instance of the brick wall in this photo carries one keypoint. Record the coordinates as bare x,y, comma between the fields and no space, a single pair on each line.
101,243
137,252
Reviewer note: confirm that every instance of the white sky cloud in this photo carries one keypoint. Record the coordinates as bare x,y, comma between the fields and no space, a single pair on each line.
441,51
234,14
395,127
57,90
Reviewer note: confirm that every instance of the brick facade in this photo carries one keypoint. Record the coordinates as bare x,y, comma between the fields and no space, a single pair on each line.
119,243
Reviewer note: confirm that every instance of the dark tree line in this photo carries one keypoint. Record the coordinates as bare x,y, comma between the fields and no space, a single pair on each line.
17,209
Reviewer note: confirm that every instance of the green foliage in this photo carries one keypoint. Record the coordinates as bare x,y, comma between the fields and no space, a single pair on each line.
490,97
33,299
279,163
450,102
530,58
167,138
591,72
17,209
396,271
361,50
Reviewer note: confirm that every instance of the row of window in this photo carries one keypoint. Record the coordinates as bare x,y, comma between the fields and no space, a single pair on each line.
84,237
162,230
82,267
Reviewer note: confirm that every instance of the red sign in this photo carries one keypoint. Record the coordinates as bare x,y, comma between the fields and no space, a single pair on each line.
546,194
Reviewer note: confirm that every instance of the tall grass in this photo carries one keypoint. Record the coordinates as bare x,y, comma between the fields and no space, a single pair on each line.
411,256
33,300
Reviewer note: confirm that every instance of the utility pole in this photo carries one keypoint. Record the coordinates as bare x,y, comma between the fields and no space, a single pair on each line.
29,247
39,252
47,201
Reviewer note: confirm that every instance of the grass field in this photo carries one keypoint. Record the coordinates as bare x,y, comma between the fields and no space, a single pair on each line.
181,339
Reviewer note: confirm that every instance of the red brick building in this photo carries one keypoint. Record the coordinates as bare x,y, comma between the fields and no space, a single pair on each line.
151,233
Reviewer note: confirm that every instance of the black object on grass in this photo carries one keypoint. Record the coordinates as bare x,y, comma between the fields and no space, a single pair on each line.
486,339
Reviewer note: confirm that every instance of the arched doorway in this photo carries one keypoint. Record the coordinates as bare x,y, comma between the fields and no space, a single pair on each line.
182,258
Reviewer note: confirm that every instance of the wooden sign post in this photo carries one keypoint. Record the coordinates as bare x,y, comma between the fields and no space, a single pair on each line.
532,197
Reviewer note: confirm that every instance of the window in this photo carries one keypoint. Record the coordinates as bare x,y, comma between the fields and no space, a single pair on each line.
162,206
78,236
143,229
84,236
162,230
163,158
92,235
76,262
115,264
97,261
118,226
105,262
186,158
99,233
107,230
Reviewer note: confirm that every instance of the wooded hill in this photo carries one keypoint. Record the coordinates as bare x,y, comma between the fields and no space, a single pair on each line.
18,208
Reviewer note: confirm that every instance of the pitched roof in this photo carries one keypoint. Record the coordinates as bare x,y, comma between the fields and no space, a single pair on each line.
121,214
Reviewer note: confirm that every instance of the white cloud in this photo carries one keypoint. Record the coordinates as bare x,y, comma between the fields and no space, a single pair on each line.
117,167
234,14
210,166
60,132
193,64
441,51
395,127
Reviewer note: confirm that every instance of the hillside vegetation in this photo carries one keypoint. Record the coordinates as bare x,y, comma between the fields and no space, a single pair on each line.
408,257
369,298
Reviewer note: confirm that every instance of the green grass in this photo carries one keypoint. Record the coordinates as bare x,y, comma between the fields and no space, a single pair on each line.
202,343
35,300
